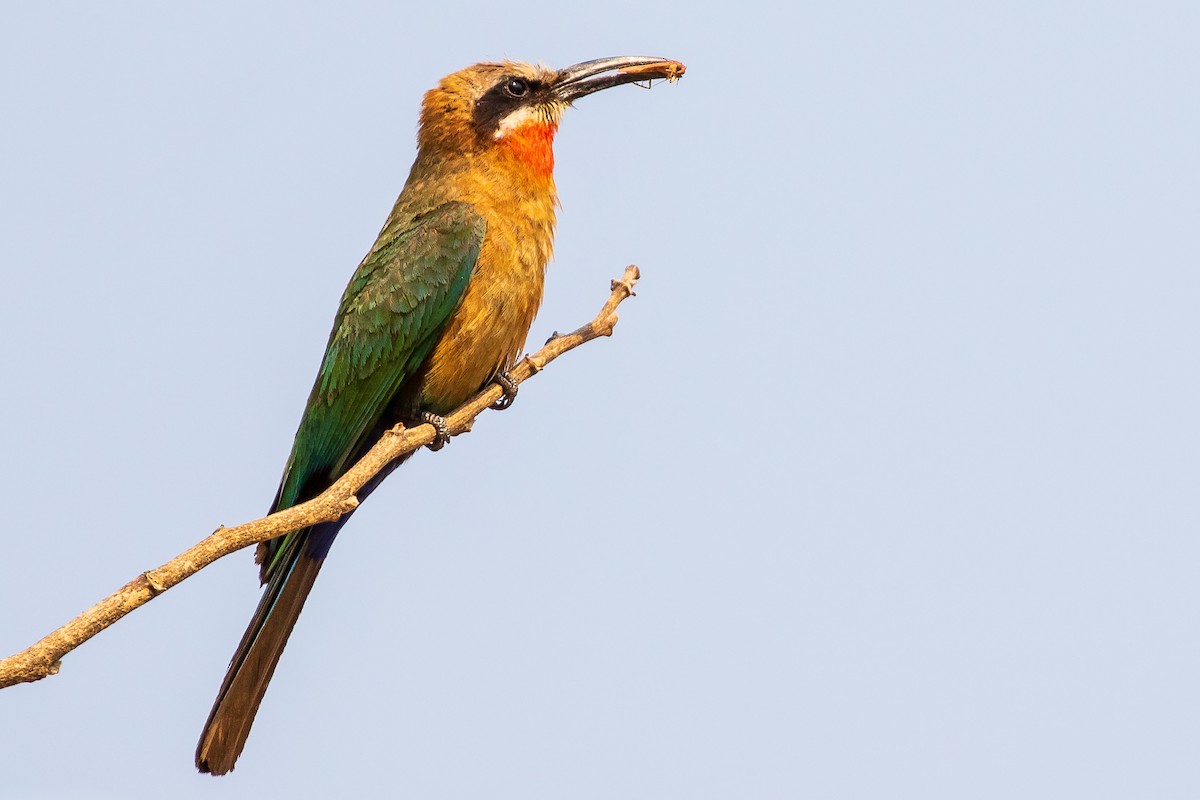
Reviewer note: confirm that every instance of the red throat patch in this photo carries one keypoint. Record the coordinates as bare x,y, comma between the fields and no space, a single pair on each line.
533,144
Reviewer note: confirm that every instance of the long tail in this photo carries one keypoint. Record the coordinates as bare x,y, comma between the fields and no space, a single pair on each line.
254,661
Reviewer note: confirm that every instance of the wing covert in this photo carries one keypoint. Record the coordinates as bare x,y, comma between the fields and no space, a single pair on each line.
387,322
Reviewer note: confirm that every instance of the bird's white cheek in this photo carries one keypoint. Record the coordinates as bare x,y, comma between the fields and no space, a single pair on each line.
526,114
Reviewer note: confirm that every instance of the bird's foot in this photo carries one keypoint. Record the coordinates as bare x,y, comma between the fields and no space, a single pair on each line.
508,383
442,429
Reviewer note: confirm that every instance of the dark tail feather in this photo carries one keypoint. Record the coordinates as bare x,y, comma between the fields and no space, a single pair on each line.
255,659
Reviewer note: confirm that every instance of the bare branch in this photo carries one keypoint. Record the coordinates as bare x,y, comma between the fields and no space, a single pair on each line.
44,657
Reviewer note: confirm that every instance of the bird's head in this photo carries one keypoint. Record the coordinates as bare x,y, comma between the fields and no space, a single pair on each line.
513,109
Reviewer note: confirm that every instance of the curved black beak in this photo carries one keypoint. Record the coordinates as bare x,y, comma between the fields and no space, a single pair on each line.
591,76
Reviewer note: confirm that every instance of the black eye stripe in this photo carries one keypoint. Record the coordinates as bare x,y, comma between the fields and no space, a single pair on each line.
507,94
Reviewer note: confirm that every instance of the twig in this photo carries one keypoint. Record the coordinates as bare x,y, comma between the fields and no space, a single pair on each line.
44,657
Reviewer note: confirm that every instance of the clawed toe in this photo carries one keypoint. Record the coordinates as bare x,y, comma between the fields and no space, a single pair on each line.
506,382
442,429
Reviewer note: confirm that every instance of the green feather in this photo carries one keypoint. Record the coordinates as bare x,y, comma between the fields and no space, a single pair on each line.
389,318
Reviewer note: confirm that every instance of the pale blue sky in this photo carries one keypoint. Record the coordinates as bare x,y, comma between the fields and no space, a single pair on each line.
885,487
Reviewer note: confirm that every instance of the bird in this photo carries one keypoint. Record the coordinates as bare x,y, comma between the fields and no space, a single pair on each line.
437,310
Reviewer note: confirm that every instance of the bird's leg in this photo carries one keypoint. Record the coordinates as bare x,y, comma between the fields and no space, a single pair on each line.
439,424
505,381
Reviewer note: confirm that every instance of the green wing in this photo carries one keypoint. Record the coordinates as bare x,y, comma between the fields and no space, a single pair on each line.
389,318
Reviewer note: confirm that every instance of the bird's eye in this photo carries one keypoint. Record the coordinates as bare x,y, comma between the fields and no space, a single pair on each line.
516,87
